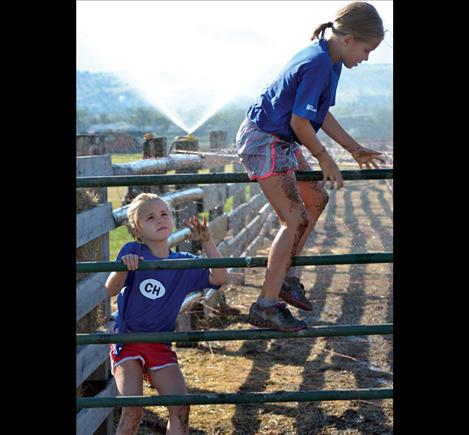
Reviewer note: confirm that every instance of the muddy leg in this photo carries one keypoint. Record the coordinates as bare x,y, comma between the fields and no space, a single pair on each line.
315,199
283,194
170,380
128,376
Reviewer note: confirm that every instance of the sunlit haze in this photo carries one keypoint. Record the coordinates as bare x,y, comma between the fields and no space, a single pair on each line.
189,58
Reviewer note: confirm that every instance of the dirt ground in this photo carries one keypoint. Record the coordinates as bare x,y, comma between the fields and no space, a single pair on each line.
357,219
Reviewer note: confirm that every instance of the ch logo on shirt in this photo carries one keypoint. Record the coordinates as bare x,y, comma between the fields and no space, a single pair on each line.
152,289
311,107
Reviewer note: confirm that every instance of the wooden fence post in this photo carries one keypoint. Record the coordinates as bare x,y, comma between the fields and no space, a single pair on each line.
254,190
90,144
185,320
153,148
217,140
102,374
186,143
240,196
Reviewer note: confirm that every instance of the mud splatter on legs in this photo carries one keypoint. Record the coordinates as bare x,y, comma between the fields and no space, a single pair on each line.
290,188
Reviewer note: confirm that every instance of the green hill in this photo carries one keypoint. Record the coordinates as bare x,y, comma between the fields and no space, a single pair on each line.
363,106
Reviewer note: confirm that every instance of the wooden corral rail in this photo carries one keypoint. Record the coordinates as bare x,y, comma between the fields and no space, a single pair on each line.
239,232
94,365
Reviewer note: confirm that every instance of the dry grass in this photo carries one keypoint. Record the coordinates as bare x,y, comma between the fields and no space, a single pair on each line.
357,219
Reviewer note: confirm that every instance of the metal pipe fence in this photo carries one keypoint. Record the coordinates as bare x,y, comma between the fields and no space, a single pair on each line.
236,177
233,262
253,334
228,335
235,398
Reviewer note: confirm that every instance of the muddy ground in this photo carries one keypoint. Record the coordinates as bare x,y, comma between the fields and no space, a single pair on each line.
357,219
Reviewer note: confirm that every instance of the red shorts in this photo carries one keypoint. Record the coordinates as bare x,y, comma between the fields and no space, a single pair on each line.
153,356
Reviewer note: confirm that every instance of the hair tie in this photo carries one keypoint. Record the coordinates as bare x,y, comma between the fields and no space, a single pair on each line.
330,24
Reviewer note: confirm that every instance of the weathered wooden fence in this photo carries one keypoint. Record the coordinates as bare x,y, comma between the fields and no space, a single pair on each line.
239,232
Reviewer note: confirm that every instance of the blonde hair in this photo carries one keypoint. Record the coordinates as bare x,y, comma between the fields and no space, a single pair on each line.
135,209
359,19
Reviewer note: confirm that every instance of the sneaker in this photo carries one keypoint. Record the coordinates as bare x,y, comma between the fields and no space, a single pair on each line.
293,292
277,317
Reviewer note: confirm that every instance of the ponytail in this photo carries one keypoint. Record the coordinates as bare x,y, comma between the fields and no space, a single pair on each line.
359,19
321,30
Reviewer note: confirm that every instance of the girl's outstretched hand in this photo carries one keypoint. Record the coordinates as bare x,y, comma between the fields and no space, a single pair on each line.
330,171
131,261
199,230
366,157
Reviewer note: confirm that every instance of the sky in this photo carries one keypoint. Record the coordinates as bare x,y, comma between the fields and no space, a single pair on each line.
180,53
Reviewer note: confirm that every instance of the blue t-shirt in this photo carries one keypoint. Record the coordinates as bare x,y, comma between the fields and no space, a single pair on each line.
306,86
151,299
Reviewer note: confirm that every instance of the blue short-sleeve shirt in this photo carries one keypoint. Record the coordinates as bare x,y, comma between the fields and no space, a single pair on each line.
306,86
151,299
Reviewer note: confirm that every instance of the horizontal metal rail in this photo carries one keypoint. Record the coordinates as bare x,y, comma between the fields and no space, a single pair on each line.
202,263
236,177
232,398
242,334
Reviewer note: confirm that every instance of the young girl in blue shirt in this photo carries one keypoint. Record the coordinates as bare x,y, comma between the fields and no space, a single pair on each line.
149,301
284,119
